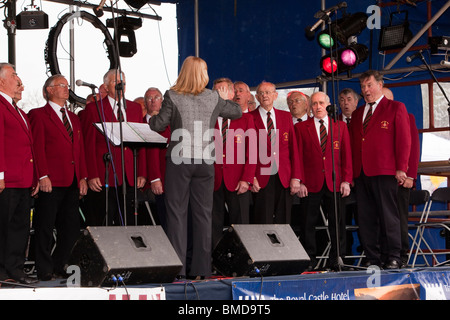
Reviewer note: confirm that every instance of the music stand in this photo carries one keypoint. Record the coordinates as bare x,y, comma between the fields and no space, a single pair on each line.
135,135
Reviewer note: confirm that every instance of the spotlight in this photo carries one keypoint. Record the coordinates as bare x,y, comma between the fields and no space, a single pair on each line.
33,19
342,30
395,36
344,59
125,31
439,43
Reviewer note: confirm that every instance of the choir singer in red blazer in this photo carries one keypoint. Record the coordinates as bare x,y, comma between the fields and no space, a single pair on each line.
96,148
61,164
234,172
278,170
316,150
381,144
156,156
17,177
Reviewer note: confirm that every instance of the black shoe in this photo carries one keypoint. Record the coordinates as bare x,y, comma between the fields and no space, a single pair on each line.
26,280
392,264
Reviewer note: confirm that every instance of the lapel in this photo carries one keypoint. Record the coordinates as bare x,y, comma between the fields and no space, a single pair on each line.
12,110
376,116
259,124
310,123
57,121
107,113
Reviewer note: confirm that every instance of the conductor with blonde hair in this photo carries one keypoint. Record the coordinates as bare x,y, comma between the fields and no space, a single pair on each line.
191,110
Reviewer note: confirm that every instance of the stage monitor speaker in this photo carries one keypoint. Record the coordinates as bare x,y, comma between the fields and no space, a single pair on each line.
252,250
138,254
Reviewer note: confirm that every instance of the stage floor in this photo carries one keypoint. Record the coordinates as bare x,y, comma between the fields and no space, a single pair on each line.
372,284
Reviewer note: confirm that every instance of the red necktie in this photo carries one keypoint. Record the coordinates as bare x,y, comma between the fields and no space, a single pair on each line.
224,131
270,128
66,123
323,136
368,116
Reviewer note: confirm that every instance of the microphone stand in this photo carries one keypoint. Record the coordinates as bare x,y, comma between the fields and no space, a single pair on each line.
106,156
121,90
107,160
333,117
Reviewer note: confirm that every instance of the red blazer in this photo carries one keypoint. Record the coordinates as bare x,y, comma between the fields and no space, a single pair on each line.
56,155
95,144
155,164
414,158
236,165
385,146
287,159
16,148
318,167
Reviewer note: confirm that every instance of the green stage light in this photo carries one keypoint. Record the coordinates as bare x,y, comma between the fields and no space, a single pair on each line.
325,40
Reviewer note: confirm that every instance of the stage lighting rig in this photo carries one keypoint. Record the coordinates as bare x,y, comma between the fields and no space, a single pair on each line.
344,59
342,29
395,36
33,18
125,31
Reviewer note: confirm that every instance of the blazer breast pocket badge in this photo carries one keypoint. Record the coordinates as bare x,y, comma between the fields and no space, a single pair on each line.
286,136
384,125
336,145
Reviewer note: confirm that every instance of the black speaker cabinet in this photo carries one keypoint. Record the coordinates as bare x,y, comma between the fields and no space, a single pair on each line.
253,250
139,254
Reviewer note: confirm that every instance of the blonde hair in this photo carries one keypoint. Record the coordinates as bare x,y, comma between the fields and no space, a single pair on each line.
193,76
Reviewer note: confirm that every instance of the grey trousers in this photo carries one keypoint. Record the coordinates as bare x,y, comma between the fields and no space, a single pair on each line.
190,184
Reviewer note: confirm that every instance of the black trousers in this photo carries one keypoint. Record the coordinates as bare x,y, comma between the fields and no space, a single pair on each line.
190,185
15,210
403,209
273,203
57,210
325,199
379,220
236,212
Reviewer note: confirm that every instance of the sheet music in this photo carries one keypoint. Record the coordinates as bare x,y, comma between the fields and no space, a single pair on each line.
132,132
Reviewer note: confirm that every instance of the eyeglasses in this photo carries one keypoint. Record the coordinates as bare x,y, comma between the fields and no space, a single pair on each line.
61,85
150,99
294,100
261,93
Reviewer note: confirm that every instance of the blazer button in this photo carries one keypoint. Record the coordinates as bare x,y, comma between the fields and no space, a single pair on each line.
323,158
31,160
363,139
73,162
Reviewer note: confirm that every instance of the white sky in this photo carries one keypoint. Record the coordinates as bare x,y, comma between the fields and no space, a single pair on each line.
147,68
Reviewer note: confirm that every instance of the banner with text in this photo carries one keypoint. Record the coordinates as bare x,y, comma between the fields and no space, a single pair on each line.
376,286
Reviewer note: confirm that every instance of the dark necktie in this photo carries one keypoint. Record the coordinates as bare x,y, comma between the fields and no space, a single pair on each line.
348,121
299,120
323,136
270,128
15,106
66,123
368,116
119,115
224,131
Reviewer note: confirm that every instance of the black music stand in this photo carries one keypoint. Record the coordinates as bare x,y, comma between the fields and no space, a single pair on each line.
135,135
